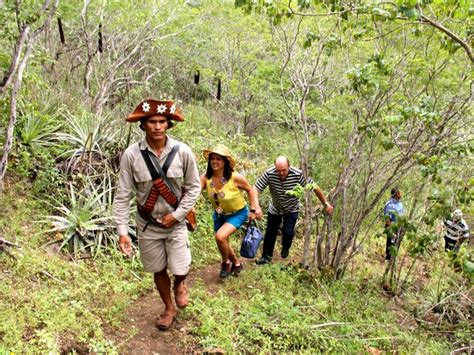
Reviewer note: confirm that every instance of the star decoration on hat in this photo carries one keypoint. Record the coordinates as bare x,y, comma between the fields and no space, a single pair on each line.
146,107
161,108
173,109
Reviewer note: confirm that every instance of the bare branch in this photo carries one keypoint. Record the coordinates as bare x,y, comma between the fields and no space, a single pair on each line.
15,59
17,86
449,33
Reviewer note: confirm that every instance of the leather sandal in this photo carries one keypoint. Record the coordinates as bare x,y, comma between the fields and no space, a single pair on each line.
181,298
164,321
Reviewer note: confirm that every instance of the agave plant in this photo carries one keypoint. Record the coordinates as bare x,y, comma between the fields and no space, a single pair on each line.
90,139
88,133
84,223
37,132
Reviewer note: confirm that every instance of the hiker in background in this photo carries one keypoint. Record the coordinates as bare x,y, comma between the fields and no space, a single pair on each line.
392,210
281,179
162,233
456,231
224,188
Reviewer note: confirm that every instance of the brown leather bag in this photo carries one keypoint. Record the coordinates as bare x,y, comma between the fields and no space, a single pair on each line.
191,222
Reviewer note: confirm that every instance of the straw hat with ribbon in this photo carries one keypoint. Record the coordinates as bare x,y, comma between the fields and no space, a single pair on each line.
222,150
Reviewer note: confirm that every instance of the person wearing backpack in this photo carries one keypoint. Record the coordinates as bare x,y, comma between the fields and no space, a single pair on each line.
163,201
392,210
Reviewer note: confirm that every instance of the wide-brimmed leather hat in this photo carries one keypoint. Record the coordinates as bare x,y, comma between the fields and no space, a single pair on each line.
149,108
222,150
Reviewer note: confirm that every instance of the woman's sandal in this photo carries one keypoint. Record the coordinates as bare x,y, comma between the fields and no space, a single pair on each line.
164,321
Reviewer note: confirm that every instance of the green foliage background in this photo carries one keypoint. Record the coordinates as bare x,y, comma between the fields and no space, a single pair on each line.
68,144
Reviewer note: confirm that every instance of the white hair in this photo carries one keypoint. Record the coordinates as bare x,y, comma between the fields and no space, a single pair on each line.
457,214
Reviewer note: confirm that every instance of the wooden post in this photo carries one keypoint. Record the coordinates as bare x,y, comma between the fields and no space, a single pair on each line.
100,45
61,32
196,77
218,89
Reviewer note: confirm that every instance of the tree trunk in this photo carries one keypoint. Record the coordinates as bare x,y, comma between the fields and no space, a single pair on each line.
17,69
308,208
13,115
12,70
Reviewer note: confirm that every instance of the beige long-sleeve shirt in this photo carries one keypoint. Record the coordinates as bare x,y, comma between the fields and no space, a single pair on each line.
134,177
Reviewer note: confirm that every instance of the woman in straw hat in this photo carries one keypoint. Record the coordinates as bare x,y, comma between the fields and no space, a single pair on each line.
224,187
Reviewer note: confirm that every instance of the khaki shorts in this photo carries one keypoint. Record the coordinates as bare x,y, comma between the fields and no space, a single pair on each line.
164,248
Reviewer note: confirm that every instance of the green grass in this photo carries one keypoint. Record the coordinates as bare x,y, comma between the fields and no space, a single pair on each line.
285,309
45,299
48,302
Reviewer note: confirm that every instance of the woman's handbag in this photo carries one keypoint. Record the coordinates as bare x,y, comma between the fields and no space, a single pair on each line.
251,242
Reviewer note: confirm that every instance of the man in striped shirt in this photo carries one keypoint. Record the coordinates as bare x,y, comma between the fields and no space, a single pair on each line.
456,231
281,179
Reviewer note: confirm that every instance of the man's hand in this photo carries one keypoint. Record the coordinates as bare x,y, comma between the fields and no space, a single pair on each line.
125,245
329,208
168,221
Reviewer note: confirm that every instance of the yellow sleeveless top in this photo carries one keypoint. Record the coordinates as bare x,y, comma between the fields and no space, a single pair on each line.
230,197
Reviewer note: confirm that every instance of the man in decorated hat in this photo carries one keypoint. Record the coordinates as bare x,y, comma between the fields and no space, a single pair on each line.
281,179
163,175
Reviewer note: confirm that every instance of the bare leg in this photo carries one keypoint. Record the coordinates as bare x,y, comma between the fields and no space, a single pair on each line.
222,240
180,291
163,284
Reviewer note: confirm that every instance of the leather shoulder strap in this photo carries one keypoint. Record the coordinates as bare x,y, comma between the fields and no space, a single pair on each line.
162,170
169,158
161,184
151,168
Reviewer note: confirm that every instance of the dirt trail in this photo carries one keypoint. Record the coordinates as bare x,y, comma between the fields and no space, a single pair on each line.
142,316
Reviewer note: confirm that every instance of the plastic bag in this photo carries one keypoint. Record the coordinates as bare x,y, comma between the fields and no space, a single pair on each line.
251,242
